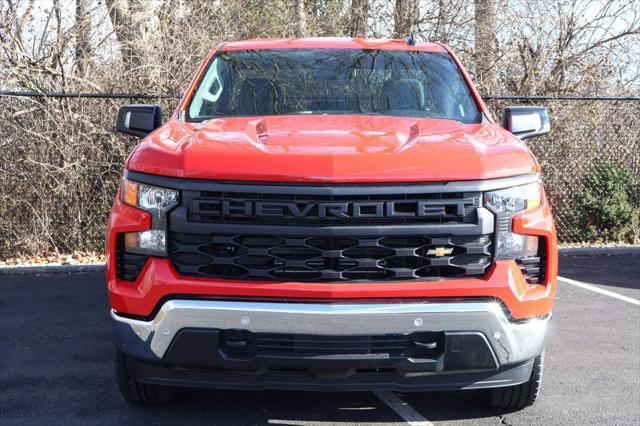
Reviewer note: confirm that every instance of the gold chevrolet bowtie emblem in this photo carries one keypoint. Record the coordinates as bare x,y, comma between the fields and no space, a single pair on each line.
439,251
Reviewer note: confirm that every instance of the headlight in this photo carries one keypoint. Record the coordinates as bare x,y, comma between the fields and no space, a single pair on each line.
505,203
514,199
157,201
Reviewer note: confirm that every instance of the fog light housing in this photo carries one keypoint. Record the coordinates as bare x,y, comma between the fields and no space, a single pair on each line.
510,245
152,242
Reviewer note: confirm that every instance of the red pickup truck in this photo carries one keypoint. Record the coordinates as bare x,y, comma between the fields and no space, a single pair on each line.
331,214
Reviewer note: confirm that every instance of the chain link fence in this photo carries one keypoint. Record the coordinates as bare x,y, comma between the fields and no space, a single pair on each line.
61,161
591,166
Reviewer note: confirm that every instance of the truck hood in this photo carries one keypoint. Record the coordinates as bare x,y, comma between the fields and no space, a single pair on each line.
332,148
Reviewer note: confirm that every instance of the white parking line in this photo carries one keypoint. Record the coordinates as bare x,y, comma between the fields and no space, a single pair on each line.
404,410
597,289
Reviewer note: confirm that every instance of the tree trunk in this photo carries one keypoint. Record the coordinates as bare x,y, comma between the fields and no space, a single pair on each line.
404,16
358,17
439,31
127,30
83,36
301,13
485,30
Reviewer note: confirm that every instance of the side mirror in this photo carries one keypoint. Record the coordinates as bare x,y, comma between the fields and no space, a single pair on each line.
139,120
526,121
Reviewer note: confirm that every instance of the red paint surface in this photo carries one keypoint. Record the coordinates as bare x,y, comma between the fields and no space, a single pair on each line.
325,148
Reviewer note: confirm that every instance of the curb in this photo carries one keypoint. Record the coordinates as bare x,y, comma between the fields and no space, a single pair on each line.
99,267
599,251
50,269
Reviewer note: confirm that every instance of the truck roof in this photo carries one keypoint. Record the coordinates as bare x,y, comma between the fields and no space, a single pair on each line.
331,42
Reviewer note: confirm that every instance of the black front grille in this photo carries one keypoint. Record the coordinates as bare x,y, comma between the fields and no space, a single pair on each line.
128,265
329,258
330,233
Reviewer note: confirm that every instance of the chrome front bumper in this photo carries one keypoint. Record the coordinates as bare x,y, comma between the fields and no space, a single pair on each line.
511,342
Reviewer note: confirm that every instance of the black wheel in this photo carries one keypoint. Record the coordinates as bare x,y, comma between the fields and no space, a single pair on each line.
519,396
136,392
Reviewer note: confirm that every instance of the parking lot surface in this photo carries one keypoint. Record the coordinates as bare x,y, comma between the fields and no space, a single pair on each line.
56,364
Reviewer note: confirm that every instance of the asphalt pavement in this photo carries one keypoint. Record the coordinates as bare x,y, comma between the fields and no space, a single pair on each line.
56,365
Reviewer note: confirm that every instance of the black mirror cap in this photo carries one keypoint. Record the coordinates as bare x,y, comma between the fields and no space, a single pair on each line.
139,120
526,121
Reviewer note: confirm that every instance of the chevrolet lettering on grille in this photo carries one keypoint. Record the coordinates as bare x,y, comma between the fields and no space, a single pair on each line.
335,210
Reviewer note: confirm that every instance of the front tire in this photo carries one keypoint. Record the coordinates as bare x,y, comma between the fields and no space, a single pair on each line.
136,392
519,396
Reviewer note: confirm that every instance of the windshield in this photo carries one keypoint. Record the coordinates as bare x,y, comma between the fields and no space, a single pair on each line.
333,81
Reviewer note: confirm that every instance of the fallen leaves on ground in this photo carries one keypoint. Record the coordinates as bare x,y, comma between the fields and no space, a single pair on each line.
75,258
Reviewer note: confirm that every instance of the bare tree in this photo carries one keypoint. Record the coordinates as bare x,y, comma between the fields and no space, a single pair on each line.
301,15
358,17
405,16
83,36
485,41
571,47
127,18
440,21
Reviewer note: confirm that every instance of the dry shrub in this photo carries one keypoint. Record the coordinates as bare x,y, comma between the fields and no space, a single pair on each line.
59,170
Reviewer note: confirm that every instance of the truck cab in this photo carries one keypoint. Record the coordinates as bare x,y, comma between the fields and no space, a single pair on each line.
331,214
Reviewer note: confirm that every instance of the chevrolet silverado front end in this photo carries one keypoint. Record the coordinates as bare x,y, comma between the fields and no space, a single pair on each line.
335,214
